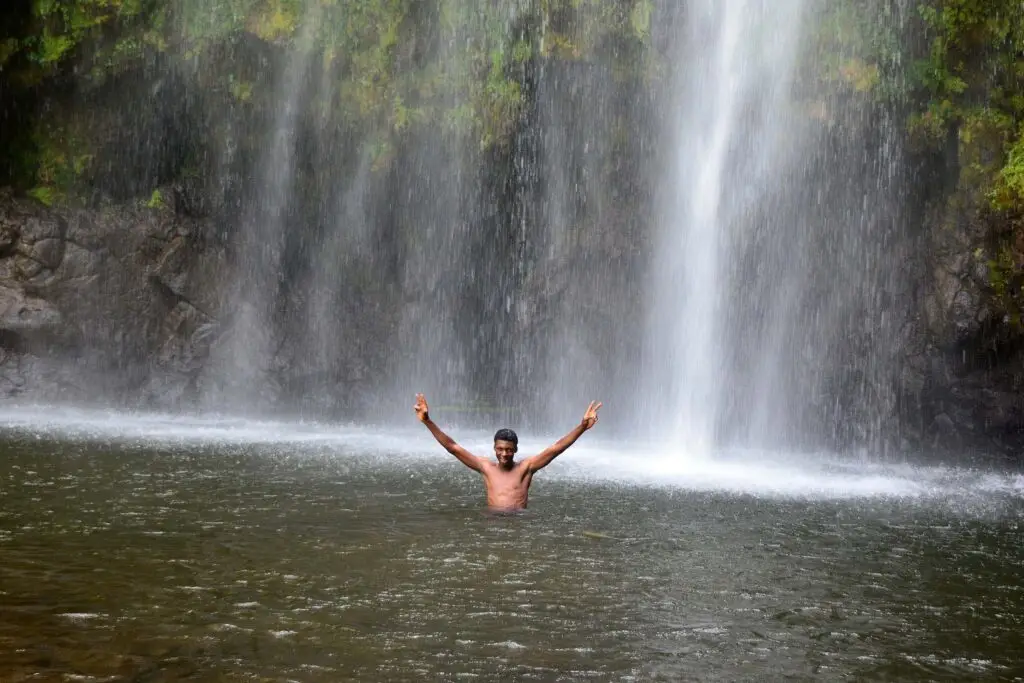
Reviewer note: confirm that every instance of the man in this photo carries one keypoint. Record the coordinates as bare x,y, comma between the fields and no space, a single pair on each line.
508,482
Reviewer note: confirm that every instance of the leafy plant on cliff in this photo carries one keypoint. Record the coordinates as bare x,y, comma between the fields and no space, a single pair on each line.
62,157
1008,193
970,84
383,68
954,70
974,60
1006,280
859,44
65,28
1006,201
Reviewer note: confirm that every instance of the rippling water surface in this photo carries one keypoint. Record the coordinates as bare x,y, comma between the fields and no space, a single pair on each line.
156,549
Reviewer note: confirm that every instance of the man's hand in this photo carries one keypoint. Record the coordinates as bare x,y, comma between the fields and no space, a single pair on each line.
421,408
590,417
464,456
544,458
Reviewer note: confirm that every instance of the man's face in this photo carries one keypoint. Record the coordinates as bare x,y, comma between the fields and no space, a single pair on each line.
504,451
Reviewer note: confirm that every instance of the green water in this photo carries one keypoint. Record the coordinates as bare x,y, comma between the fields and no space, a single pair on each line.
291,562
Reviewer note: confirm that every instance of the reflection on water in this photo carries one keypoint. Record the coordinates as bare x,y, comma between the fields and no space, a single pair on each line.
315,559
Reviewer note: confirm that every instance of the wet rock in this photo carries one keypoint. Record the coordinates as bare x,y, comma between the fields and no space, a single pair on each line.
86,230
964,314
944,433
127,302
79,305
9,235
26,315
26,267
189,270
943,425
39,225
188,198
48,252
79,265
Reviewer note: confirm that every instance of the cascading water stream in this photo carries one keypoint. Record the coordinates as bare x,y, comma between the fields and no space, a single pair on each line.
738,55
249,347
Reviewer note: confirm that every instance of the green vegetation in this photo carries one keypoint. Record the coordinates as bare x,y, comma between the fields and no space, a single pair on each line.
384,67
970,85
81,29
949,64
1006,278
1008,193
43,195
156,200
861,46
61,156
954,72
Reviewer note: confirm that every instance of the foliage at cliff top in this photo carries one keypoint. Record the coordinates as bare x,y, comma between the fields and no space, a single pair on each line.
946,62
383,66
952,73
970,84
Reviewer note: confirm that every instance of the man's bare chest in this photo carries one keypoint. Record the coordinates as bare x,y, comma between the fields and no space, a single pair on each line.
499,479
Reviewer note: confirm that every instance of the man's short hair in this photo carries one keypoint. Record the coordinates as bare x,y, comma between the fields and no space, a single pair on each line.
506,435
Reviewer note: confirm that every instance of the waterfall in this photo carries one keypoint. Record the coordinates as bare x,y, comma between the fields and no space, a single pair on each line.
519,207
735,70
777,300
245,357
701,242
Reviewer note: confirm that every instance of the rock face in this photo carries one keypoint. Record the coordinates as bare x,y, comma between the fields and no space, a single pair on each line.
98,304
962,383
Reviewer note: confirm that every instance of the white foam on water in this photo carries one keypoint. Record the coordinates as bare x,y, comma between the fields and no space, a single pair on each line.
592,459
81,616
786,475
159,428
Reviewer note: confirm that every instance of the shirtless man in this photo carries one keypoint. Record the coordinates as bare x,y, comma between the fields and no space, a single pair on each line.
508,482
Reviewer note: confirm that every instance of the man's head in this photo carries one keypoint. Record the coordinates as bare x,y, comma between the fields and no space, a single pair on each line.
506,443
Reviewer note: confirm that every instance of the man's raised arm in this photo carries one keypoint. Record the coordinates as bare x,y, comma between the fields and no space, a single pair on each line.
464,456
544,458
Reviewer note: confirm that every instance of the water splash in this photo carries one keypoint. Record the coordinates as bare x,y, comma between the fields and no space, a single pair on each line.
594,460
